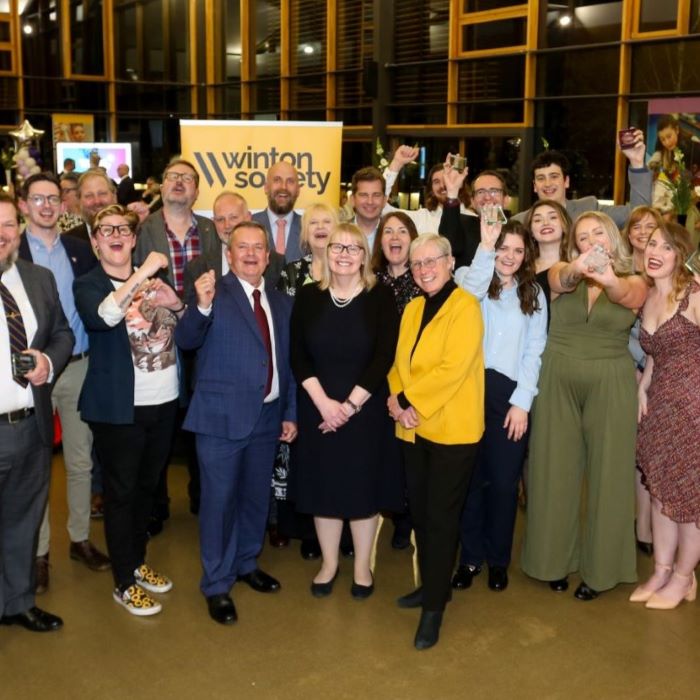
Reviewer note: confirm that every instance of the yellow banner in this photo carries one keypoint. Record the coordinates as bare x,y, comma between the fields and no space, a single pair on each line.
235,155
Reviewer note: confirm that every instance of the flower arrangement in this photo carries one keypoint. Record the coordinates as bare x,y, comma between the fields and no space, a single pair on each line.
679,184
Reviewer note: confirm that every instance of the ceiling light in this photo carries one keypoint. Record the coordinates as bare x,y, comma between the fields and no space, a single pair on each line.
28,29
565,20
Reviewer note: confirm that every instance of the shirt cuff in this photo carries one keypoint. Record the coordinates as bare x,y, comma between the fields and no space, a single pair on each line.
204,312
109,311
48,359
403,401
643,169
452,203
522,398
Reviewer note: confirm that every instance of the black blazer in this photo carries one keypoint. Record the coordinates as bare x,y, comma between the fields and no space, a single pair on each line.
463,232
53,337
81,232
126,192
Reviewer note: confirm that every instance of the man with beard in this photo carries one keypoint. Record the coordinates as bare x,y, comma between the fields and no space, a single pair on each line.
282,223
32,324
95,192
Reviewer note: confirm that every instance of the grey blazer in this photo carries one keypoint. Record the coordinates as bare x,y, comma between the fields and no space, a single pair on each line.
293,249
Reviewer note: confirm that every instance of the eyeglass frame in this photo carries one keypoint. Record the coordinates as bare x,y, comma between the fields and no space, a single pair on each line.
113,227
174,176
38,200
427,263
346,249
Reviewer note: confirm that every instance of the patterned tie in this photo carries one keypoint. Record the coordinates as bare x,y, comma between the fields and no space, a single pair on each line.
15,326
280,244
261,318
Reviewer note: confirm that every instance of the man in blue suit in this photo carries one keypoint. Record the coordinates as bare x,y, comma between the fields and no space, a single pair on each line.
282,223
244,401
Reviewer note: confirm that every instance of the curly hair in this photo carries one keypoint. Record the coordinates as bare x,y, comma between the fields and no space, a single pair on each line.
431,201
678,238
528,289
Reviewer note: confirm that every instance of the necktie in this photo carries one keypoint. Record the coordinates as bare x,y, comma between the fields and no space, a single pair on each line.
261,318
15,326
280,243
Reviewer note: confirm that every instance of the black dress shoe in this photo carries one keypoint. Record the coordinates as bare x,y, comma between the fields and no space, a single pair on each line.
347,550
310,549
34,620
222,609
360,592
584,592
261,582
321,590
561,584
645,548
464,575
414,599
428,631
498,578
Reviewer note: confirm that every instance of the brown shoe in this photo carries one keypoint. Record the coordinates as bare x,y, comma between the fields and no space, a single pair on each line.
277,539
42,574
87,553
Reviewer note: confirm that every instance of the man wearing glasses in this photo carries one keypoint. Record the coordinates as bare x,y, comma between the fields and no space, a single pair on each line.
67,257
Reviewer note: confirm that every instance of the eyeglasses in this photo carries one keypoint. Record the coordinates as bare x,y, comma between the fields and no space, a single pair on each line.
108,230
492,191
427,263
173,176
338,248
39,199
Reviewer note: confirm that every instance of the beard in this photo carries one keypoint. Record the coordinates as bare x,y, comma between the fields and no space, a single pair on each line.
9,261
281,209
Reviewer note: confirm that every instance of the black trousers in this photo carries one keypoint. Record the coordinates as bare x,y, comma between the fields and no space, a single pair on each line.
437,478
132,457
488,520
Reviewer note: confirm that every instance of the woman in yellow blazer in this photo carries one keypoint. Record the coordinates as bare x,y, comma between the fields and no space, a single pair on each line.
437,400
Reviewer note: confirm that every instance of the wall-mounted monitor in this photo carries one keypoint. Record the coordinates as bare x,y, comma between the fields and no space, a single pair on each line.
111,155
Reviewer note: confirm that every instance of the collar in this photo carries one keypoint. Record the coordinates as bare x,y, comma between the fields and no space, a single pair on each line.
39,243
248,288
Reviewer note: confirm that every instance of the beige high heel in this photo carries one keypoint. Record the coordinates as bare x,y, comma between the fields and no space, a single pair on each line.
641,594
658,602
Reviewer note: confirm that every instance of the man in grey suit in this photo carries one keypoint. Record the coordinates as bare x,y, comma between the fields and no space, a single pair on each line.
282,223
229,209
32,324
550,179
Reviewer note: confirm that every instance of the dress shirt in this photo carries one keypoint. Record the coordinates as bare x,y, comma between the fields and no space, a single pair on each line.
272,218
224,260
14,397
55,258
513,341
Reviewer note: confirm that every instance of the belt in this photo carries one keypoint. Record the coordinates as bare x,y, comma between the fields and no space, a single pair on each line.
79,356
16,416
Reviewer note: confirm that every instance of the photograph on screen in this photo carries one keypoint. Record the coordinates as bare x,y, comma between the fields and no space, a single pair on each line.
111,156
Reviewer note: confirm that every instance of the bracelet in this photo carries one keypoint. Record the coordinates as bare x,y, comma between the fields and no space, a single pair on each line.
177,311
354,407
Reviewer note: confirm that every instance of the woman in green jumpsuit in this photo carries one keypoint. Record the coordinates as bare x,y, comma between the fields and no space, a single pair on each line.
585,419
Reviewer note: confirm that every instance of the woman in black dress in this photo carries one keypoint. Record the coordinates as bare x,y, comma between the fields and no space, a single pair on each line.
344,332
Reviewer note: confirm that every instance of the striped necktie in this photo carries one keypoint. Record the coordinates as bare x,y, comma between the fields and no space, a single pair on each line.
15,326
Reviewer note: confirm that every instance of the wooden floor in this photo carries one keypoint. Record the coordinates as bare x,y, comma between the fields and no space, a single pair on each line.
526,642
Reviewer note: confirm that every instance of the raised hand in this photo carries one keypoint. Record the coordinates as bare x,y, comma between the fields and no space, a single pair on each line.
636,154
403,155
204,288
154,262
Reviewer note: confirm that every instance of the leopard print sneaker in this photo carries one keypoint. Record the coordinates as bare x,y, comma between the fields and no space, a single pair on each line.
137,601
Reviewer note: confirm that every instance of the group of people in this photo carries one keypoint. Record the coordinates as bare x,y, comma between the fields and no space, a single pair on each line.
402,362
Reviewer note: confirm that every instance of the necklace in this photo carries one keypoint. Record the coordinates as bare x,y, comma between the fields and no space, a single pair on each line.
342,303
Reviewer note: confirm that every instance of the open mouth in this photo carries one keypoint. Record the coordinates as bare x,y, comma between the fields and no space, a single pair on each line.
547,231
654,264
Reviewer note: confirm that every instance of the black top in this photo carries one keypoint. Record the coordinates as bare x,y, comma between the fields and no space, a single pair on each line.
403,286
462,231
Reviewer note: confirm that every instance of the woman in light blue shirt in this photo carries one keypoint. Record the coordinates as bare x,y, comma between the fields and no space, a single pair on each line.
513,305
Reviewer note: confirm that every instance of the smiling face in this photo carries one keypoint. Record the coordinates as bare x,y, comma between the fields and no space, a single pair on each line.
640,232
9,235
546,225
369,200
437,185
550,183
509,257
590,232
345,264
95,194
229,210
114,251
431,268
396,240
487,190
318,230
659,257
282,188
247,254
41,213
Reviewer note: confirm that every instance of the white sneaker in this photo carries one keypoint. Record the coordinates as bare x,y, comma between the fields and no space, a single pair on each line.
137,601
151,580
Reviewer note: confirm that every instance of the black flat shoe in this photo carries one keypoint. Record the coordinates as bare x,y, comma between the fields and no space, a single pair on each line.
222,609
321,590
464,575
584,592
428,631
35,620
498,578
414,599
646,548
310,550
261,582
360,592
561,584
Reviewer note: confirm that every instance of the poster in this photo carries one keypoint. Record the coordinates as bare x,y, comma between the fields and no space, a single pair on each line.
76,128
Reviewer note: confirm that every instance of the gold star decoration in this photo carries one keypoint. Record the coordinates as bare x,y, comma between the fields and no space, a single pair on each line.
26,132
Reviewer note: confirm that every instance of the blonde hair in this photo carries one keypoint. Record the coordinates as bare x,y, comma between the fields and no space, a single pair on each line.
367,278
132,218
621,256
306,219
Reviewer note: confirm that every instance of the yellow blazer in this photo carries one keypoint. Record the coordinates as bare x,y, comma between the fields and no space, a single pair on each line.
444,380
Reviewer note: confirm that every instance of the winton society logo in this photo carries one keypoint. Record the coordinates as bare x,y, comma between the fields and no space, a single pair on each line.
243,169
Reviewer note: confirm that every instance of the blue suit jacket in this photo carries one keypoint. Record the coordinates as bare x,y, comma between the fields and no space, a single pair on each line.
232,362
293,250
